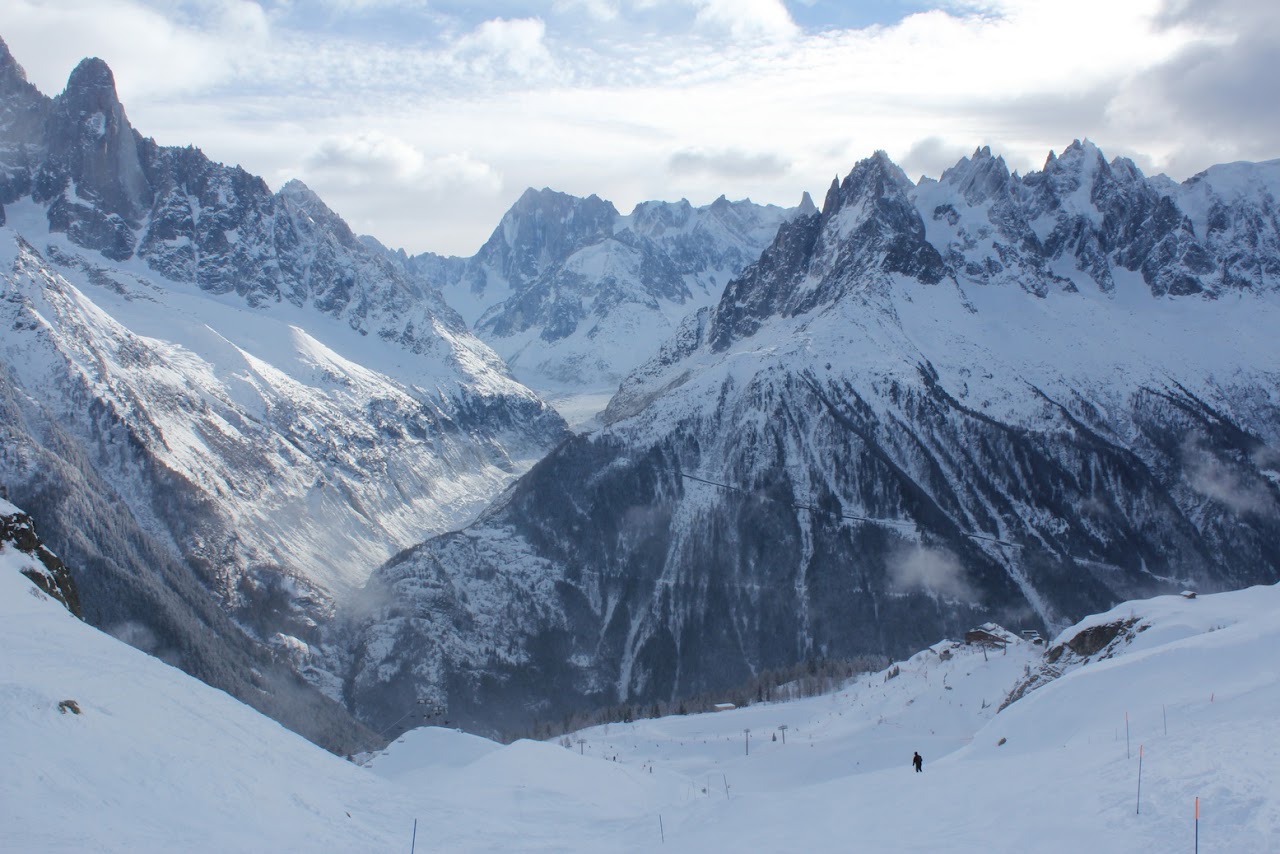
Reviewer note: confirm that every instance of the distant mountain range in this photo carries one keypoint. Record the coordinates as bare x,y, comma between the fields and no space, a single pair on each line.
574,295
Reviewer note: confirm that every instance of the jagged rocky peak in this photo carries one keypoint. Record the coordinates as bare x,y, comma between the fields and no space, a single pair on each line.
806,206
298,196
92,147
739,216
541,227
872,178
653,219
13,77
92,82
1235,207
874,220
871,215
979,177
22,118
548,219
1081,181
868,229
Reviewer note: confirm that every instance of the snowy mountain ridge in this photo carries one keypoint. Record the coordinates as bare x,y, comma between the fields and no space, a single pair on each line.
105,740
989,397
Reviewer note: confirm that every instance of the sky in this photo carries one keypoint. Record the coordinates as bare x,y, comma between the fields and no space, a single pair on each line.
422,121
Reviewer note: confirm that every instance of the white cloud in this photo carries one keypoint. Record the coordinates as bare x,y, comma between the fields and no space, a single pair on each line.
934,571
372,158
748,20
599,10
512,45
726,163
367,153
933,155
151,54
1224,483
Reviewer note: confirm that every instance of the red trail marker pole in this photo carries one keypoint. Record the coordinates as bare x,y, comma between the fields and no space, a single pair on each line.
1197,826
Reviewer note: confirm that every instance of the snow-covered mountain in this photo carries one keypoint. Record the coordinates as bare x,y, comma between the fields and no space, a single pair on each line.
204,381
1019,398
110,750
575,295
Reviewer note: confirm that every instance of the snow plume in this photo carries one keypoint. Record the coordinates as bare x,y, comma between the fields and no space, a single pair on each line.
1220,481
1266,457
935,571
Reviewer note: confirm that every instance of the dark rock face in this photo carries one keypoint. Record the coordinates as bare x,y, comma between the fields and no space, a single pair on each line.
52,576
618,579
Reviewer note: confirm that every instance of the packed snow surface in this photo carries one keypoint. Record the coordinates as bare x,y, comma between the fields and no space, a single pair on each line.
156,761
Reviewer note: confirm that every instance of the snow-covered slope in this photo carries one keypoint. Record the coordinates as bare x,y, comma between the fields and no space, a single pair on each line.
149,759
574,295
206,644
989,397
108,749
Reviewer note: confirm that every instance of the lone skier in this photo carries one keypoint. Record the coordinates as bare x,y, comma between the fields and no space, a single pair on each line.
918,761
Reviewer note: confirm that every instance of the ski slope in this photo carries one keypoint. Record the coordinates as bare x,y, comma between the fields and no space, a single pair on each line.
157,761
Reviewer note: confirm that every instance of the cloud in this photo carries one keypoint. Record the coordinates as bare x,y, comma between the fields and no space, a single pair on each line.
748,20
728,163
372,176
934,571
932,155
141,637
1212,97
367,153
384,186
371,157
598,10
1266,457
151,53
1223,483
500,44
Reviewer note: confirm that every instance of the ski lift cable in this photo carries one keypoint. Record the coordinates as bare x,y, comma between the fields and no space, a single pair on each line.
853,517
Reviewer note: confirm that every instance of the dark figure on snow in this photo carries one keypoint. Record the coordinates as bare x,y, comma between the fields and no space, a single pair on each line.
918,761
